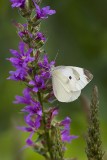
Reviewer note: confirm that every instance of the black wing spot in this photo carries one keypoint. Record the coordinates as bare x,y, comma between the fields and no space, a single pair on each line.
70,77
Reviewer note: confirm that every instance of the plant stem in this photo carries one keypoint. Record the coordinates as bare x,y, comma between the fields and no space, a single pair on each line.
47,136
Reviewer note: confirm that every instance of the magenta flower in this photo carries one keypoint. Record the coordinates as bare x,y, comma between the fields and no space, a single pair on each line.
33,107
29,141
66,122
33,123
44,12
45,64
20,61
22,57
23,31
40,36
65,132
37,83
19,74
66,137
25,99
17,3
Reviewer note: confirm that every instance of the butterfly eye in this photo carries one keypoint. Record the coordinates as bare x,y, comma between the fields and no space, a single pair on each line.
70,77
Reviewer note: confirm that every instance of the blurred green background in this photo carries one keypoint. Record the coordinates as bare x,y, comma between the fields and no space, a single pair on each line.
78,32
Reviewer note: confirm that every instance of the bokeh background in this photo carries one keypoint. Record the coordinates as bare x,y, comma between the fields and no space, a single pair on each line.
78,32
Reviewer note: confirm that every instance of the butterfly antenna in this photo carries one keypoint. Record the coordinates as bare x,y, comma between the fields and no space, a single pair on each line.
56,56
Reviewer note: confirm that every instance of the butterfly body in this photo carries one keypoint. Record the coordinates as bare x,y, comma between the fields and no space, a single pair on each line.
68,81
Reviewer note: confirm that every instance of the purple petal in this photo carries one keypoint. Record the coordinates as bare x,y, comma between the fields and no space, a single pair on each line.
21,47
25,129
32,82
35,89
14,52
29,140
66,122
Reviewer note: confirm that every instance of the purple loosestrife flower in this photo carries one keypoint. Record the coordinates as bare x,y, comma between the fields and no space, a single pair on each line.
18,75
26,99
45,66
65,132
45,63
37,83
44,12
29,141
66,122
22,57
23,31
33,123
33,107
40,36
17,3
20,62
52,112
66,137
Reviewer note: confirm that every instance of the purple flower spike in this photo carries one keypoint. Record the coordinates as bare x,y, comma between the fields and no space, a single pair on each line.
44,12
17,3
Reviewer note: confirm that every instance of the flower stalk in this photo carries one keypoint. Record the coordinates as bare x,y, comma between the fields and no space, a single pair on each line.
94,149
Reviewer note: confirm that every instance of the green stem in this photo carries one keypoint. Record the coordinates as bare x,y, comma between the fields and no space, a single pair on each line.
46,131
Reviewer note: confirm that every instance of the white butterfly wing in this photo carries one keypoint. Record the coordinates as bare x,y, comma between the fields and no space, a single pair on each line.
72,78
61,93
82,76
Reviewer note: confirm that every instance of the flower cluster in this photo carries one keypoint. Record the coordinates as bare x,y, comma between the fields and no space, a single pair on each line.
33,68
21,61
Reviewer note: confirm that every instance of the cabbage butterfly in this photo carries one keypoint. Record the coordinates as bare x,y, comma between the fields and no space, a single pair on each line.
68,81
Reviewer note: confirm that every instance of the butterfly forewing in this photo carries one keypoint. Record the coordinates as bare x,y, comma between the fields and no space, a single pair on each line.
68,82
72,78
61,93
